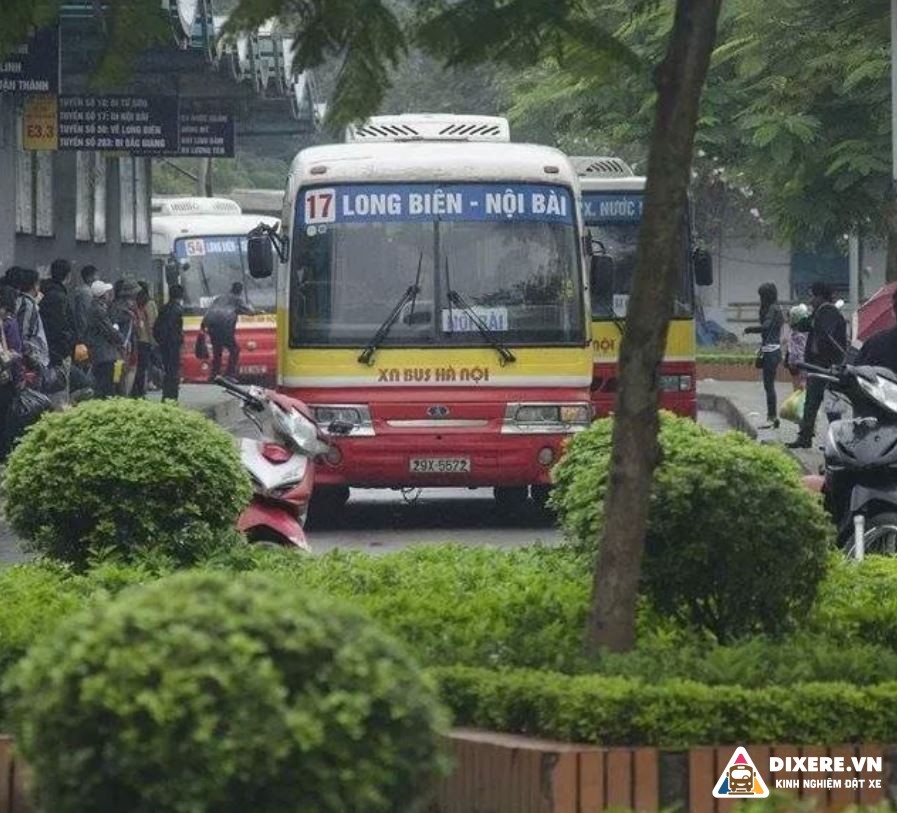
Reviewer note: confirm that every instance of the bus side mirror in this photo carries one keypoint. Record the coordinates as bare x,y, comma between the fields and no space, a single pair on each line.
601,270
260,253
703,264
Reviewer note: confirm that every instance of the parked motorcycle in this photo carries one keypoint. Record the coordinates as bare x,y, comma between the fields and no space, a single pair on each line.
281,464
860,474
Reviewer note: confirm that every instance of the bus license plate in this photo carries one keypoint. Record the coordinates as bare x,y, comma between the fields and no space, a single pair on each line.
439,465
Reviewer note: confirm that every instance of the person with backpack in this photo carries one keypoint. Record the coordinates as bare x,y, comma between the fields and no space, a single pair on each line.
168,332
826,346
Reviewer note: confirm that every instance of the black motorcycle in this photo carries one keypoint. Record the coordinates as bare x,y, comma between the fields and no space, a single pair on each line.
861,459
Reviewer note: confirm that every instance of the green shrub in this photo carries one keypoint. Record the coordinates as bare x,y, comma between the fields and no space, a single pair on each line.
672,714
735,544
455,604
209,692
127,475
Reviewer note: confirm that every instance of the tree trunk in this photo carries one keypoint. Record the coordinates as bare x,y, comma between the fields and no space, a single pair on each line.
680,80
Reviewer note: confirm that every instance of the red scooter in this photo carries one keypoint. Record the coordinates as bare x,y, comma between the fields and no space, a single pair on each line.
281,464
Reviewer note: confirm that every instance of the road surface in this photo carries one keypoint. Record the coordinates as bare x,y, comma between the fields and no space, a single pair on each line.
382,521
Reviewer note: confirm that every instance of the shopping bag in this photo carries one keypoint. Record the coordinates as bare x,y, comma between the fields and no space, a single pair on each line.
26,407
793,407
201,349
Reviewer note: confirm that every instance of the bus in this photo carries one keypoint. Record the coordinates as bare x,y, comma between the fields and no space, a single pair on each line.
432,296
201,244
612,202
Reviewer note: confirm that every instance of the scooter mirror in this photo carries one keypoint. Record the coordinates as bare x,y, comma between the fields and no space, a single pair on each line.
340,428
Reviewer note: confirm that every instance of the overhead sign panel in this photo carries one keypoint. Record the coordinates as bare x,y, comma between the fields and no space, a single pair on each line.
139,125
205,133
32,67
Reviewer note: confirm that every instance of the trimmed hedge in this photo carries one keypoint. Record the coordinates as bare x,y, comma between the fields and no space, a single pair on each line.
128,475
736,545
206,692
672,714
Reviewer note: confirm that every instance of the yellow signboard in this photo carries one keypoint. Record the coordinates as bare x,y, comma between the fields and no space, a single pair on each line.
39,124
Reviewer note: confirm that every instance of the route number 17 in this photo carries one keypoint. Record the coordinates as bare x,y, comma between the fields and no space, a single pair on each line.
320,206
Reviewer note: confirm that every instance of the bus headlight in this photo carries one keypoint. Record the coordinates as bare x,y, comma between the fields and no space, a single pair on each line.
358,415
546,418
675,383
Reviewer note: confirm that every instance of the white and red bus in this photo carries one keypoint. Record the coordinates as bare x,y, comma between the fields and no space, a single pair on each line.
433,294
201,243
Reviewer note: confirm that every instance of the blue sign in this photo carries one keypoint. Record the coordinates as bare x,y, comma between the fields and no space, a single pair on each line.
416,203
32,67
600,208
186,247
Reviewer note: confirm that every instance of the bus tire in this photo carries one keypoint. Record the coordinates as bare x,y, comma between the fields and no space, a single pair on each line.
540,495
326,502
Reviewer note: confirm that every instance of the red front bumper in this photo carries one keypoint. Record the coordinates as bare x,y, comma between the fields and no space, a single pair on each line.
258,356
496,457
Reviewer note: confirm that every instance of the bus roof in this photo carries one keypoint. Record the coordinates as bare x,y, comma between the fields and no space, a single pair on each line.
169,228
430,162
600,173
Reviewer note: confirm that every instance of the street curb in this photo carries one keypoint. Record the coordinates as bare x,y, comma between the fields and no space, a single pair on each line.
739,421
725,407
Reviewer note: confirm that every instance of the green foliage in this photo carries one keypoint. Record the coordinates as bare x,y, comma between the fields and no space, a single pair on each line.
19,16
735,544
207,692
454,604
673,713
128,475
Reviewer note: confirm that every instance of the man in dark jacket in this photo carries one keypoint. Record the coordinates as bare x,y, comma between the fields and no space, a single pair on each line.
826,346
56,312
104,342
168,332
221,324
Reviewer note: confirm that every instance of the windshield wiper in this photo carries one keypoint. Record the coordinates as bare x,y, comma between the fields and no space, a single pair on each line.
410,295
491,337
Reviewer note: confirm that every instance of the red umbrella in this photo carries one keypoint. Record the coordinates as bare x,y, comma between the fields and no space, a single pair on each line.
877,313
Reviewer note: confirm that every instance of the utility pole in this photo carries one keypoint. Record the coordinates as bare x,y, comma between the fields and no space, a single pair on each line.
204,176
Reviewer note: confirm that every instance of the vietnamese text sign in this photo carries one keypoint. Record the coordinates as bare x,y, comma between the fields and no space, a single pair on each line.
39,130
205,134
598,208
426,202
139,125
34,66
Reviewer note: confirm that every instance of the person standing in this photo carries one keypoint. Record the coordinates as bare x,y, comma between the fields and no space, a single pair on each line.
169,335
56,313
146,319
31,326
798,328
10,364
770,330
880,350
123,313
220,323
826,346
82,300
104,342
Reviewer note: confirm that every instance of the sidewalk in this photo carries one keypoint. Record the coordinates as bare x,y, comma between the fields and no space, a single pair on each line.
210,400
749,400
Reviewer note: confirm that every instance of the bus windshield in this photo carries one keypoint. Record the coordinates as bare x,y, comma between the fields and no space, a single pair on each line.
215,264
613,220
510,254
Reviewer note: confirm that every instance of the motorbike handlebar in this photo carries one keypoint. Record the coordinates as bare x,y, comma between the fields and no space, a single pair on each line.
241,392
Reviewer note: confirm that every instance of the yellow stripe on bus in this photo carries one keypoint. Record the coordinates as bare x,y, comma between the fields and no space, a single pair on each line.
680,341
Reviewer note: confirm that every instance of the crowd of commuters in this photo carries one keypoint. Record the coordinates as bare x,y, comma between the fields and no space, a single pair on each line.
72,336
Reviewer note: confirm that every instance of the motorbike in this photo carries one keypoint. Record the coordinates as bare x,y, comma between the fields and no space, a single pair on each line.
281,464
859,483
